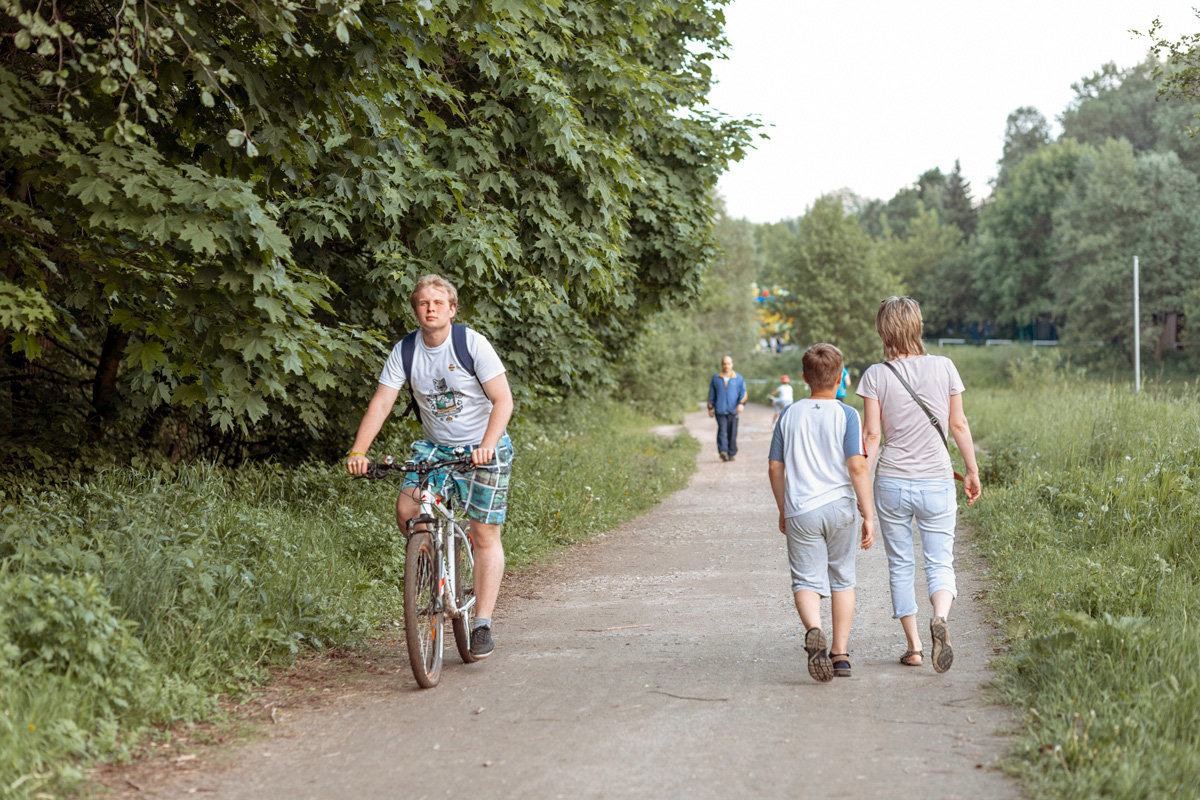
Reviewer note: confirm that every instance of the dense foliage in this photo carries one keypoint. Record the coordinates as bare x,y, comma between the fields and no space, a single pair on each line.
211,214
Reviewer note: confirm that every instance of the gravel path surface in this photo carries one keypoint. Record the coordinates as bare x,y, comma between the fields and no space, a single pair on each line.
664,659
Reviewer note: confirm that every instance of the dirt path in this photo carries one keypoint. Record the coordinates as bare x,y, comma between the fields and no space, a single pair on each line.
664,659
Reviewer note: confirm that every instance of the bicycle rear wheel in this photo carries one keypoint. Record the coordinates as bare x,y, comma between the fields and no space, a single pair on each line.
424,618
464,595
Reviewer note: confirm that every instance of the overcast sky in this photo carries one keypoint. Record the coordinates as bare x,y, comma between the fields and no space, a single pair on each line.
868,94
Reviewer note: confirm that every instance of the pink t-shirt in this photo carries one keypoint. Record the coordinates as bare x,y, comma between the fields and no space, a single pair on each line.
912,448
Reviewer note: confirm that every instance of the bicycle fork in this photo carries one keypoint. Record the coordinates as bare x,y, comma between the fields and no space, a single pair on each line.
442,599
443,554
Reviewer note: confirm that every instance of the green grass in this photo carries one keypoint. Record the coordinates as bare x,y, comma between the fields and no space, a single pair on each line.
1090,521
132,599
588,473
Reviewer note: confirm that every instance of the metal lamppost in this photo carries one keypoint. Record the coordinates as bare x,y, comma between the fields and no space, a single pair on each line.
1137,330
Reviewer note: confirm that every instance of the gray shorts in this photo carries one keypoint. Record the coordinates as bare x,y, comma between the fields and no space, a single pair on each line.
821,547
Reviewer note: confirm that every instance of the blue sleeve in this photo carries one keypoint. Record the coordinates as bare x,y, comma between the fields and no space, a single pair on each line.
776,453
852,441
712,392
742,389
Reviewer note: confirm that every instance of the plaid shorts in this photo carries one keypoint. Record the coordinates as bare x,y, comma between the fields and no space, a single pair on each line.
485,489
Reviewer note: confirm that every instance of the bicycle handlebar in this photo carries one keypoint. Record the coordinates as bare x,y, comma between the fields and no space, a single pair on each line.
382,469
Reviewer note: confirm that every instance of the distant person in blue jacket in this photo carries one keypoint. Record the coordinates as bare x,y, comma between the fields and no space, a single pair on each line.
843,385
726,399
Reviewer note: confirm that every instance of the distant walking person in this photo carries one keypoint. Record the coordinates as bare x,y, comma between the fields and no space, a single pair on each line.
782,397
911,400
843,384
818,471
726,399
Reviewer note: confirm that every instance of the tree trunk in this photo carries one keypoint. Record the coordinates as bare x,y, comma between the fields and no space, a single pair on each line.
105,396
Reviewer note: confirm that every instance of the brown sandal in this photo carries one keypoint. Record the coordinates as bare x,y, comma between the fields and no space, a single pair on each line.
909,655
841,664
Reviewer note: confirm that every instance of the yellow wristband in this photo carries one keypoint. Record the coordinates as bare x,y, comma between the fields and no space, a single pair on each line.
356,453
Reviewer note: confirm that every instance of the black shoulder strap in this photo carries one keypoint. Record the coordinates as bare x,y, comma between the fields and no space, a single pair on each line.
932,419
408,345
458,340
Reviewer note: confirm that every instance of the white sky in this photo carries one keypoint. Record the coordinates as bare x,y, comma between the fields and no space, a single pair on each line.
868,94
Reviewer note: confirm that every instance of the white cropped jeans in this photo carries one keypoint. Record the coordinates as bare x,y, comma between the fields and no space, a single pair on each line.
933,506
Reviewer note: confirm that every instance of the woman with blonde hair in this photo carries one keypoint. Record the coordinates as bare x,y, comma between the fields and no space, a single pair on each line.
910,400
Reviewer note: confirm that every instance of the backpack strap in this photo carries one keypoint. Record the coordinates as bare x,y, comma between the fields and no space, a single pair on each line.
458,340
408,346
462,354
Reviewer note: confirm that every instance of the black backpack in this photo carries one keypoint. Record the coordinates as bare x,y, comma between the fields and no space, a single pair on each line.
408,345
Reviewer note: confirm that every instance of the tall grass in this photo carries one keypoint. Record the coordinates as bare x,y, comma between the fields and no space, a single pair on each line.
1091,523
134,598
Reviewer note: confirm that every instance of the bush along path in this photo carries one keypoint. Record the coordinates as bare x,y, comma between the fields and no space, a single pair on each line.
664,656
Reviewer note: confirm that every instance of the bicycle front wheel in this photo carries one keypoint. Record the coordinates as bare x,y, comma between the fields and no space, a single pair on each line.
424,618
464,595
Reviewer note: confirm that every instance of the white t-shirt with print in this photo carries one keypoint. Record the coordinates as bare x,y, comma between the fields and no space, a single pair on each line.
454,407
813,439
912,448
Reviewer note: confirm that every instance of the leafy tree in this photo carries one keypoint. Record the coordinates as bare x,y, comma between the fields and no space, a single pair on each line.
683,345
211,213
871,215
726,309
949,302
1125,104
1123,204
1015,249
959,207
836,282
1113,104
915,260
774,242
1178,67
932,188
904,206
1025,131
928,193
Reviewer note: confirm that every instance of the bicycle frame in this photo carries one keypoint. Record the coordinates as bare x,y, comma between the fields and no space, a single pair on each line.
443,535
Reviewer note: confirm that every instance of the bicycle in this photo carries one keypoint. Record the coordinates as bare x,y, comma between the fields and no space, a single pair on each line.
439,565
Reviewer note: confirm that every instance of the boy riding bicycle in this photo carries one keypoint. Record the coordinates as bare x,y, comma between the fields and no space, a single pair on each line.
456,409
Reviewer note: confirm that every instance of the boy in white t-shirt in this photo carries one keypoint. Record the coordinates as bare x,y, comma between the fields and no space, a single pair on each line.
818,471
782,397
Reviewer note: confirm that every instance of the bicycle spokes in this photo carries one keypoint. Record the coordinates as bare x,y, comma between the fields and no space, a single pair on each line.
423,610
